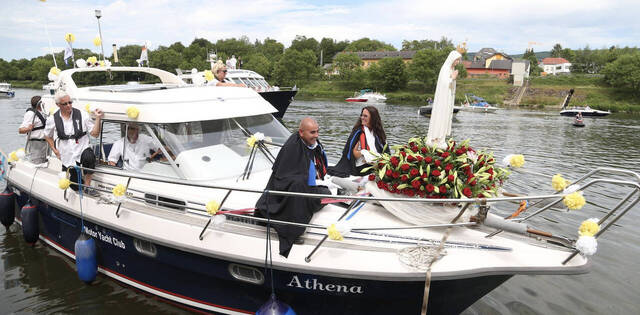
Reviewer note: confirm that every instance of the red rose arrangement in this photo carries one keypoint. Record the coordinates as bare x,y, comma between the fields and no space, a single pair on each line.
417,169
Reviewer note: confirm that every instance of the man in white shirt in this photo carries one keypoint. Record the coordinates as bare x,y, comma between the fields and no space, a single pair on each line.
33,125
70,127
135,152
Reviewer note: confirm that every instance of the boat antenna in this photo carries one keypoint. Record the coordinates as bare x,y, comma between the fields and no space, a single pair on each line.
98,16
46,30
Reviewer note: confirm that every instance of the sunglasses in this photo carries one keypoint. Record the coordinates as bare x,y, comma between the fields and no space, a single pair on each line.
225,71
66,103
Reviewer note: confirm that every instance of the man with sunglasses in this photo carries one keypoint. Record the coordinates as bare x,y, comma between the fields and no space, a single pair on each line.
33,125
70,126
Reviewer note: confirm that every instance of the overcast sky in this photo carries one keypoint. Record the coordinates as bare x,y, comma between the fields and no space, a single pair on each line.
507,26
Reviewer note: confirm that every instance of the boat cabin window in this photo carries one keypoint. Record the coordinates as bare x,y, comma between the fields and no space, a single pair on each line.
114,78
217,149
128,146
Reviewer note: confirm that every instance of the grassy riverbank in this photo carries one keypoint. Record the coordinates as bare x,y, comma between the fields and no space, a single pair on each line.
542,92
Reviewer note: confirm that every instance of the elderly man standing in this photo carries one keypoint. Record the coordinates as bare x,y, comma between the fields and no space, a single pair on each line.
299,165
70,126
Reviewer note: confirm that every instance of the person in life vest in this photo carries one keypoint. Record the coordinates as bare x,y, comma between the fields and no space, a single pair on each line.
367,139
33,124
71,128
300,166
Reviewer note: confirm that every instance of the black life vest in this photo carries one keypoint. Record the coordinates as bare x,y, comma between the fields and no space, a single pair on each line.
39,115
76,118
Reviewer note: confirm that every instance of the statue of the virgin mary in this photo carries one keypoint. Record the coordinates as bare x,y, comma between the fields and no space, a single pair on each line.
442,112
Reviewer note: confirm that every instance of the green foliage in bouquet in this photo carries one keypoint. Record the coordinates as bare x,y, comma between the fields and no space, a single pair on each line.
430,172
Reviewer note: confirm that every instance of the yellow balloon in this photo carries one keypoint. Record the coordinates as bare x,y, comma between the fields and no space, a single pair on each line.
70,38
64,183
133,112
54,71
333,233
213,207
208,75
92,60
97,41
119,190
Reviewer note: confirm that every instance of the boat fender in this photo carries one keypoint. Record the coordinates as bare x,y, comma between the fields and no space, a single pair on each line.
7,207
30,223
498,222
86,261
275,307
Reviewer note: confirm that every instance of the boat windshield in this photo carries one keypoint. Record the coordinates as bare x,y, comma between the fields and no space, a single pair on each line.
217,149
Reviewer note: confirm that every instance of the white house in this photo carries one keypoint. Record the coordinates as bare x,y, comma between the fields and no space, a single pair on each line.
555,65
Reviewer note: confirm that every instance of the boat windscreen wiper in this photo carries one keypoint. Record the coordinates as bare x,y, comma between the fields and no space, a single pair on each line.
262,147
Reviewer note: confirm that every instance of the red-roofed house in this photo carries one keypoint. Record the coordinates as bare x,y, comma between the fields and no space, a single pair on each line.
555,65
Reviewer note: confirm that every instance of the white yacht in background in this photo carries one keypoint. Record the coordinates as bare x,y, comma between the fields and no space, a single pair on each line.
279,97
158,238
6,90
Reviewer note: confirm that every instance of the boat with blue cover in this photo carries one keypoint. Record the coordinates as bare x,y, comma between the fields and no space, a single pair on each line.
182,228
6,90
477,104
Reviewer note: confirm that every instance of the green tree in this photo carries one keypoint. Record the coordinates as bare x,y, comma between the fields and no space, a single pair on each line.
231,46
556,51
40,69
330,48
260,64
366,44
270,48
393,74
295,67
166,59
426,65
346,64
534,69
302,43
442,44
624,72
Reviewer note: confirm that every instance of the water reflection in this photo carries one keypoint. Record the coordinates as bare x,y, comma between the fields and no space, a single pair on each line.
39,280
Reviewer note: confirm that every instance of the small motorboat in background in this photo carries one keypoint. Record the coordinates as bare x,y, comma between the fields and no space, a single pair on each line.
367,95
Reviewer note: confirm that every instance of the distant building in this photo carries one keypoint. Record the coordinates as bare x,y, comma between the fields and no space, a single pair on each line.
371,57
520,71
555,65
487,61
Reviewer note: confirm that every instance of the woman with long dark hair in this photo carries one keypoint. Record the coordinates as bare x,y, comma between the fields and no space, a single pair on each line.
367,139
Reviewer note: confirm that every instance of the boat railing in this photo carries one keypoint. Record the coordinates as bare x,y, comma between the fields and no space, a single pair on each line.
624,205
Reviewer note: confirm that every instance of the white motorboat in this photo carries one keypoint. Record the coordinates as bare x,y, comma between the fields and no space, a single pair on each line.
157,238
279,97
6,90
367,95
584,111
477,104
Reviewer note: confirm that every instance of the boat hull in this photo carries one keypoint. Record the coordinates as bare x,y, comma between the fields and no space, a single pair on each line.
9,94
280,100
592,113
207,283
426,110
357,100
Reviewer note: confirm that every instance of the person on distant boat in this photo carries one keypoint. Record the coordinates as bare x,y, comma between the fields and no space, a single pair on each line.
367,139
232,62
136,152
442,112
300,166
69,126
220,72
33,124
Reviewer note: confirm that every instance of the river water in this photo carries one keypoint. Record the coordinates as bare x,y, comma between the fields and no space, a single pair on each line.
40,280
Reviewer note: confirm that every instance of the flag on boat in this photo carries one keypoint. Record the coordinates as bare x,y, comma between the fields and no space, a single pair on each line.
143,56
68,53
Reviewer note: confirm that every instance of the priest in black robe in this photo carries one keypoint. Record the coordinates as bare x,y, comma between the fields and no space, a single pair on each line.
299,164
